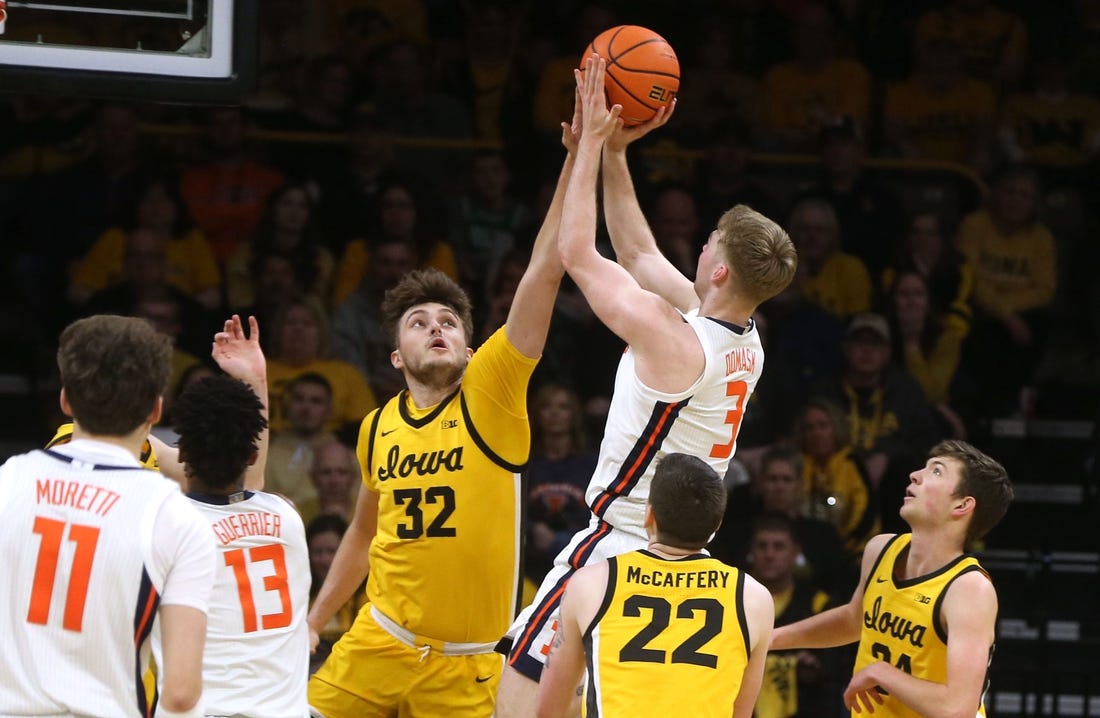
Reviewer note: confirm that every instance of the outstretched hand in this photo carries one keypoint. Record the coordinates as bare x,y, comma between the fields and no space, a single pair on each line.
571,131
624,135
238,355
863,692
597,120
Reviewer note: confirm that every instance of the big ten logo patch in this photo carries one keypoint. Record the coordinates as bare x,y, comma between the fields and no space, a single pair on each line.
448,423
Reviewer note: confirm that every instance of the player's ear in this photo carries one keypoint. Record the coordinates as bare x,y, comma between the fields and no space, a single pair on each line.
252,459
63,401
157,412
964,505
720,273
395,359
648,522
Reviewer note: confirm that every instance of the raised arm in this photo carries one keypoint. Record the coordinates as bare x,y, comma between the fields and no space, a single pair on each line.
635,247
662,340
837,626
532,307
241,357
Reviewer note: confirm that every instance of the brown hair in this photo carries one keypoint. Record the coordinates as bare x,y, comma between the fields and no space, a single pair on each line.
316,311
420,287
113,369
688,501
578,433
758,252
981,477
842,430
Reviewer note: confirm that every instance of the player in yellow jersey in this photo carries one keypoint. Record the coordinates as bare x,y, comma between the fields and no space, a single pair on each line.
666,630
436,529
924,611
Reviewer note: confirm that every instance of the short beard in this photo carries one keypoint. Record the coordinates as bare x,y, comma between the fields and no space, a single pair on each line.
437,375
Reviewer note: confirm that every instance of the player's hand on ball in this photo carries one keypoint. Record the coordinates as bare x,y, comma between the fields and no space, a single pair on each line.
624,134
598,120
571,131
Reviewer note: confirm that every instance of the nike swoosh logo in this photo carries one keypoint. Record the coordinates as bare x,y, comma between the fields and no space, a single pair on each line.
387,433
881,580
479,679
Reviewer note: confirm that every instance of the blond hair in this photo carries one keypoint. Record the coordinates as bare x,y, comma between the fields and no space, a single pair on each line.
757,251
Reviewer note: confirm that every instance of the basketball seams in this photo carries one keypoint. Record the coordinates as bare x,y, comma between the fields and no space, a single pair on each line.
628,78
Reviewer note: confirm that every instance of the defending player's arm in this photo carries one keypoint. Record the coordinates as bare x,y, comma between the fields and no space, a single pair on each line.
183,632
969,615
617,299
837,626
349,566
532,307
565,663
241,357
633,241
760,610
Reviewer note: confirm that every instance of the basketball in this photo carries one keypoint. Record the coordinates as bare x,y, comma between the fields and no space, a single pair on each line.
643,73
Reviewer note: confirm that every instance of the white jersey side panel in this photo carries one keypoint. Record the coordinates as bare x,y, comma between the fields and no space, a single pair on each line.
256,661
80,588
643,424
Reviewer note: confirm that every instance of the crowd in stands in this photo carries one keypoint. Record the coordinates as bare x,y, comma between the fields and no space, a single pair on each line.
433,142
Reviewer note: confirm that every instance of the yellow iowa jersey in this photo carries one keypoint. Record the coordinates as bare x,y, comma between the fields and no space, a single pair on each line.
901,622
64,435
444,563
671,638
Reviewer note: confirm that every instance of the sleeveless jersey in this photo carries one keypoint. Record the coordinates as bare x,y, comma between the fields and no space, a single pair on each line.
84,578
444,563
256,661
644,424
671,638
901,620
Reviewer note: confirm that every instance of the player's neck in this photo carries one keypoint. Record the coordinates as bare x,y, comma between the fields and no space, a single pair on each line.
931,549
670,552
132,442
719,304
196,486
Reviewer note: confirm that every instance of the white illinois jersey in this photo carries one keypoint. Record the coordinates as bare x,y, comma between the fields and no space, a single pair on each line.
90,545
644,425
256,661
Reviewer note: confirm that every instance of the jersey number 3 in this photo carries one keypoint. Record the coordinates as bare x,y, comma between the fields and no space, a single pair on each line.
739,390
277,581
52,532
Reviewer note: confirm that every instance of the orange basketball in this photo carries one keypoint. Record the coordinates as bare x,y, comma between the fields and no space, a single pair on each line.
643,73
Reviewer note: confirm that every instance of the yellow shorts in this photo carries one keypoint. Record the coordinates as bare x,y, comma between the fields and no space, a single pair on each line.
370,673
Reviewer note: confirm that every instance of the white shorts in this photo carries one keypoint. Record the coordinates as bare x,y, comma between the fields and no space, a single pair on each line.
533,630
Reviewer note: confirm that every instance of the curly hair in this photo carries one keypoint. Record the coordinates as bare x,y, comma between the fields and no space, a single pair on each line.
219,420
420,287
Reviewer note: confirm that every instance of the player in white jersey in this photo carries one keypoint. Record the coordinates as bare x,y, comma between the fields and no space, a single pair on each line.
95,547
693,357
256,661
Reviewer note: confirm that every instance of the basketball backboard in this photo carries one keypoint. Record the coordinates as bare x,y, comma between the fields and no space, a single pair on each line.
191,51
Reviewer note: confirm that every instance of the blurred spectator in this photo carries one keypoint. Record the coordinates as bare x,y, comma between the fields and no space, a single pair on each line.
833,279
674,220
991,41
1014,259
889,420
778,488
485,220
335,475
144,278
276,281
929,345
561,464
1052,124
299,342
307,407
289,33
868,210
502,291
402,212
815,87
928,250
358,336
724,175
795,682
164,314
839,488
323,536
939,113
226,190
349,189
718,91
161,210
769,411
287,226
